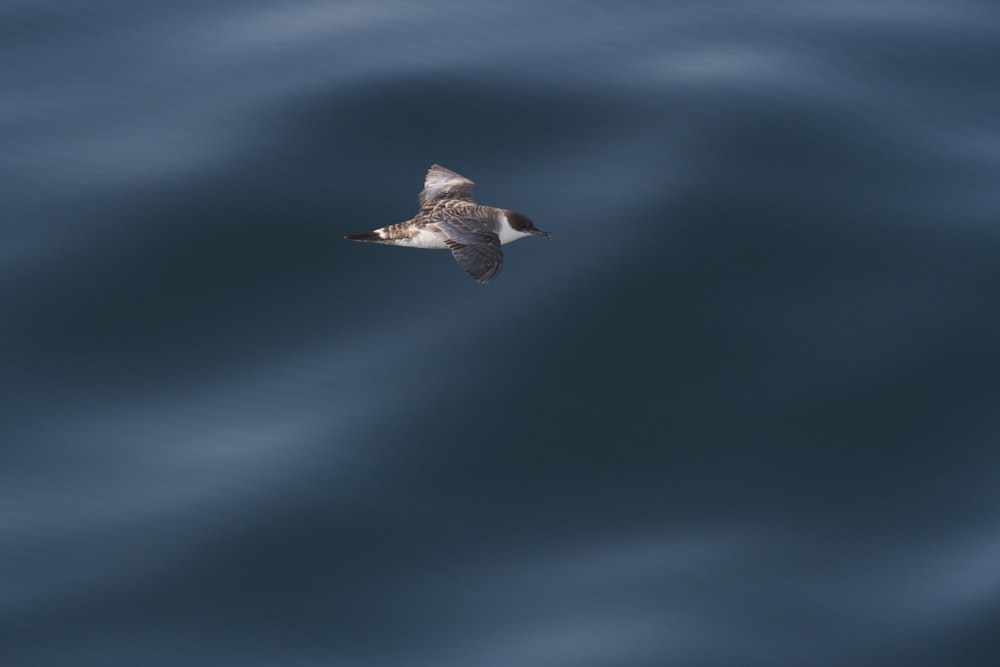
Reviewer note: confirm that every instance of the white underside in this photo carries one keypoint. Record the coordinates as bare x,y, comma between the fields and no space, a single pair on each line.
425,239
428,240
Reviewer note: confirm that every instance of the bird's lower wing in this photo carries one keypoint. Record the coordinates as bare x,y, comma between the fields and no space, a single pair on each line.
475,249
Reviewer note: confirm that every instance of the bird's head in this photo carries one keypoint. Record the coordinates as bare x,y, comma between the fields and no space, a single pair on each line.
522,223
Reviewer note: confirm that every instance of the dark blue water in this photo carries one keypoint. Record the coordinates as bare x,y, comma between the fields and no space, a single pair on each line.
744,409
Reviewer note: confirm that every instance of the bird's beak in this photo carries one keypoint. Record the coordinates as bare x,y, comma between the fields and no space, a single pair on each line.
539,232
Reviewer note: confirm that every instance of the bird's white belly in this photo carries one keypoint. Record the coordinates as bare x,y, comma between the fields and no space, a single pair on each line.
424,238
427,240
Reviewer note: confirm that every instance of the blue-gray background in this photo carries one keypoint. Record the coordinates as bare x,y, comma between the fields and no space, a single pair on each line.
742,410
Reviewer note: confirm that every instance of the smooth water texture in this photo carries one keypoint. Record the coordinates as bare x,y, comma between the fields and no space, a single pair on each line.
743,409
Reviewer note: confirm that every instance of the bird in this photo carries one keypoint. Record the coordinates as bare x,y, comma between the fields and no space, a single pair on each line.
450,219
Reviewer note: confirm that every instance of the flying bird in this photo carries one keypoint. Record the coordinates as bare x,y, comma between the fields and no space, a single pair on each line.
450,219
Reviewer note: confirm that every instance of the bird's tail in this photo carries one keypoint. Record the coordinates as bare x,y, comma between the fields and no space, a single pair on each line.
364,236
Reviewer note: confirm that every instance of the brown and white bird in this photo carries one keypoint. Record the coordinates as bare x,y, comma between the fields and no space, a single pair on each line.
449,219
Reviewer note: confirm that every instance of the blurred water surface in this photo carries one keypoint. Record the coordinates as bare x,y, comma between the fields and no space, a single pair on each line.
742,410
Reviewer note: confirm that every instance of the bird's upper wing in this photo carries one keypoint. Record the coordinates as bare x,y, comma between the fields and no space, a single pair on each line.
476,249
441,183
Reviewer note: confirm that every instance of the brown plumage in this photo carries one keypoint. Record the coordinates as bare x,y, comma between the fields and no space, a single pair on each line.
450,219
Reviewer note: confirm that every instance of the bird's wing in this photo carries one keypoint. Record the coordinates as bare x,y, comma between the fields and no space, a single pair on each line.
441,183
476,249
